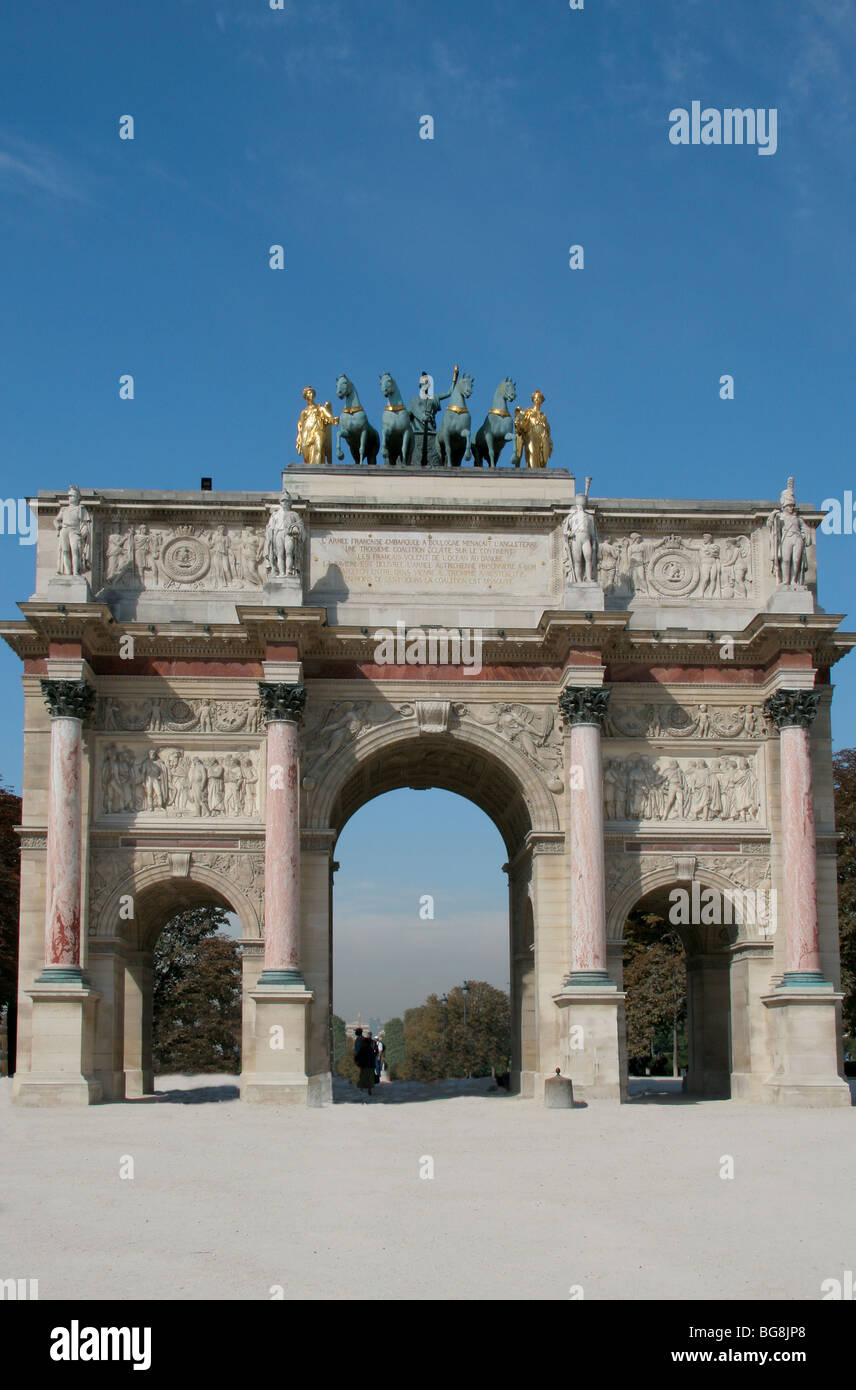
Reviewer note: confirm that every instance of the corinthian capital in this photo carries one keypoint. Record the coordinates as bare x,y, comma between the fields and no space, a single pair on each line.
792,709
282,703
584,704
68,699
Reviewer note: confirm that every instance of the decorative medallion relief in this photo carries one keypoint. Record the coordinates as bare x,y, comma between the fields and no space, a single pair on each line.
677,567
687,721
724,790
183,557
174,782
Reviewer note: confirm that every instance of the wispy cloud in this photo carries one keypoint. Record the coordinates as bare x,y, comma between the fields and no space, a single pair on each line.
26,167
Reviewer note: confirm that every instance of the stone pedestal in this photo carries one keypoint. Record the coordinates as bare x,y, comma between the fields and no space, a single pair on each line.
589,1039
69,588
280,592
786,600
584,598
281,1047
803,1043
63,1047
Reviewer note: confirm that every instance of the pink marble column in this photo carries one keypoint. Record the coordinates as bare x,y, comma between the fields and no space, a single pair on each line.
584,709
69,703
283,707
792,711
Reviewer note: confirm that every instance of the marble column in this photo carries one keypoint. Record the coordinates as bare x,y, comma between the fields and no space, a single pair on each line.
69,702
584,710
792,712
283,708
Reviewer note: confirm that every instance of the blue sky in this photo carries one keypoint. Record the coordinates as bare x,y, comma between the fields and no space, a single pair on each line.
301,127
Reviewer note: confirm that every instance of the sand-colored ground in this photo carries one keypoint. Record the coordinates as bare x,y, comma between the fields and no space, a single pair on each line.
229,1200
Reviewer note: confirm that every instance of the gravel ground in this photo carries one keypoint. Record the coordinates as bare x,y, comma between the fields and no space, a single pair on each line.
228,1201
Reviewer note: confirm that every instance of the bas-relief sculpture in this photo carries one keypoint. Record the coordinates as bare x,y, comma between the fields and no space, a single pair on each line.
637,566
533,729
178,782
171,714
183,557
111,867
724,789
703,720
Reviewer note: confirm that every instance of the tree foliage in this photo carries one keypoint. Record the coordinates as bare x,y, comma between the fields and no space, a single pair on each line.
393,1044
844,782
10,898
655,982
473,1048
197,995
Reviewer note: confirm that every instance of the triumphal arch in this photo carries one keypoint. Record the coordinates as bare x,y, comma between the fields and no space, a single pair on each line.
636,691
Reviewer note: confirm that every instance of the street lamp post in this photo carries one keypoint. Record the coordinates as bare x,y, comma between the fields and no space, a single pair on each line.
465,989
444,1001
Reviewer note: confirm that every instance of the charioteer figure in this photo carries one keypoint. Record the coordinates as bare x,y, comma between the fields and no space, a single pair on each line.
423,411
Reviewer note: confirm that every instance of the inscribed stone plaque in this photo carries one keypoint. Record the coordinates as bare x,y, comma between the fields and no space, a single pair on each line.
425,562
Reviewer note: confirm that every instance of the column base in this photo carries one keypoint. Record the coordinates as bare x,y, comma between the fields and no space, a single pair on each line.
63,1042
281,979
590,1057
138,1082
803,1021
281,1045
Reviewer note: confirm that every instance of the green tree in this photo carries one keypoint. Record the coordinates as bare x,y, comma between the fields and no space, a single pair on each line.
197,995
393,1044
474,1046
844,782
340,1041
655,982
10,898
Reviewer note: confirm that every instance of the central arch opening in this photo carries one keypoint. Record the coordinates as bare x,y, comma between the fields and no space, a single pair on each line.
428,934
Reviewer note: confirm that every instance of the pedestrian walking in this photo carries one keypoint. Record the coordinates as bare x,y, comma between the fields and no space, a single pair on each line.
364,1058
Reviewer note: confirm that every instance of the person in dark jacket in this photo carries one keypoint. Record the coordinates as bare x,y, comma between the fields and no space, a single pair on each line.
364,1058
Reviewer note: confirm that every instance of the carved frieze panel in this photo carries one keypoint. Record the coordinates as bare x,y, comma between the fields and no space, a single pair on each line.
744,871
532,729
704,720
167,782
110,868
185,558
676,567
169,714
724,790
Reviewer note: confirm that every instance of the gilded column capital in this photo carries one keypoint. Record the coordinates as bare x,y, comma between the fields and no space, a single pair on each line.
68,699
792,709
282,703
584,704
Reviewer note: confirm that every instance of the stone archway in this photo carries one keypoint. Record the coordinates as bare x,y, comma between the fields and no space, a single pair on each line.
718,953
122,943
499,780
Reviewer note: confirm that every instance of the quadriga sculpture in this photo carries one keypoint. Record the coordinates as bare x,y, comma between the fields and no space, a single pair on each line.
498,427
453,437
361,438
397,441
